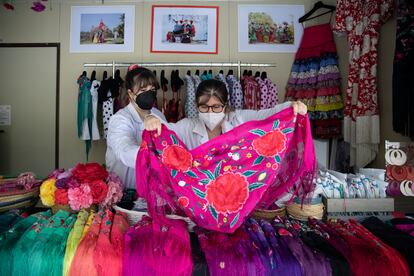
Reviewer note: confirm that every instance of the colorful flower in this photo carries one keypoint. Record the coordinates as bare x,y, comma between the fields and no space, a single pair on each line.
268,165
177,158
181,183
47,192
114,194
226,168
86,173
164,143
275,166
80,197
99,190
61,196
228,192
183,201
230,154
270,144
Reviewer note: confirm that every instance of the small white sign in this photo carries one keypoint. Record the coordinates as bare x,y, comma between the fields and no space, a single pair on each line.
5,115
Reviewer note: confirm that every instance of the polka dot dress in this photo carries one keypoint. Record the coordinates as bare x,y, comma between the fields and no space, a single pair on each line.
235,91
108,111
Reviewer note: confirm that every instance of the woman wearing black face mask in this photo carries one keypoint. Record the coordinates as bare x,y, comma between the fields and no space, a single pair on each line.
126,126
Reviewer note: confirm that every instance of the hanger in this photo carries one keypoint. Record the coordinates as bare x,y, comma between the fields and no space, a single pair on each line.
210,72
318,5
93,75
230,72
105,75
263,76
250,73
84,74
197,72
221,72
205,72
189,72
154,72
257,74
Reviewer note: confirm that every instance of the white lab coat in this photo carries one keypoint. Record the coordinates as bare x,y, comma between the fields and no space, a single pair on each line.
123,142
193,131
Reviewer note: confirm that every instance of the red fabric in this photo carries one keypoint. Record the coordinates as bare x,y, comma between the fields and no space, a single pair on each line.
316,40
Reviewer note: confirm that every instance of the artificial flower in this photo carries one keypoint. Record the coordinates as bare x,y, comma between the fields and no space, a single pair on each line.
47,192
86,173
80,197
114,194
62,183
99,190
61,197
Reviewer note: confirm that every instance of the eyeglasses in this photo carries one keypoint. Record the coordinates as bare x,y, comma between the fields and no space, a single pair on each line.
217,108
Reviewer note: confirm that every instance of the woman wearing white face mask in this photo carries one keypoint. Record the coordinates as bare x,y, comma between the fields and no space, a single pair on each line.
215,116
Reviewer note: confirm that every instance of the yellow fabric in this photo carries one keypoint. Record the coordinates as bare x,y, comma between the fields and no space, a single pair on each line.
88,223
73,240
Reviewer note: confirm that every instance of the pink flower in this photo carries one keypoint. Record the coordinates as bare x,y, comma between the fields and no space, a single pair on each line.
114,194
80,197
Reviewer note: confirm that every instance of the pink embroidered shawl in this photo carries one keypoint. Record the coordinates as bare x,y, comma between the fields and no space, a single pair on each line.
222,181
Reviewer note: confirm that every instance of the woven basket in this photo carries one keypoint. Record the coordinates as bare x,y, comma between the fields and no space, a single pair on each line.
269,215
135,216
17,198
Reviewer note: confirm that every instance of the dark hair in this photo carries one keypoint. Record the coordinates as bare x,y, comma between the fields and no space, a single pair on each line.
140,77
212,88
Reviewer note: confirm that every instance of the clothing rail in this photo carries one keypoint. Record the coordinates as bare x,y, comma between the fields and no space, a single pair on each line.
238,64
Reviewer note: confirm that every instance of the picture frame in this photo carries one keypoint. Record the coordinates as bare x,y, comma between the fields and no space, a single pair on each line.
102,29
269,28
184,29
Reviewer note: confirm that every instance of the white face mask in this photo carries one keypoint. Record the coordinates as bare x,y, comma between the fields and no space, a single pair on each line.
211,120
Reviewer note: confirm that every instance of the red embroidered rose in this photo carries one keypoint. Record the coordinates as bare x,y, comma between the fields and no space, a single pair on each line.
183,201
177,158
61,196
270,144
99,190
89,172
228,192
144,145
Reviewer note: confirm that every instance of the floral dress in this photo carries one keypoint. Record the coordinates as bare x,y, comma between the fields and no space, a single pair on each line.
361,20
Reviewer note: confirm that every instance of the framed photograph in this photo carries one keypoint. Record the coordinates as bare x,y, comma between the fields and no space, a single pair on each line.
184,29
99,29
269,28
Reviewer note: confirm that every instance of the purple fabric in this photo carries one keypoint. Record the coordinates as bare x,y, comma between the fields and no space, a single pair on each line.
285,262
230,254
62,183
259,241
312,263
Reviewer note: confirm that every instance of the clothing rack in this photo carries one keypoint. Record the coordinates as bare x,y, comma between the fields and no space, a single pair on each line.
237,64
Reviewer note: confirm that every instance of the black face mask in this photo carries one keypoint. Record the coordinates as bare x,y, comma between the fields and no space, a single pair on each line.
146,99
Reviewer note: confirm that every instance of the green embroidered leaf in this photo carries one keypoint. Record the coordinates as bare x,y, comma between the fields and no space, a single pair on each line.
173,173
275,124
257,131
207,173
255,186
249,173
235,220
199,193
204,181
217,170
174,140
277,158
288,130
258,160
159,152
213,212
191,174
